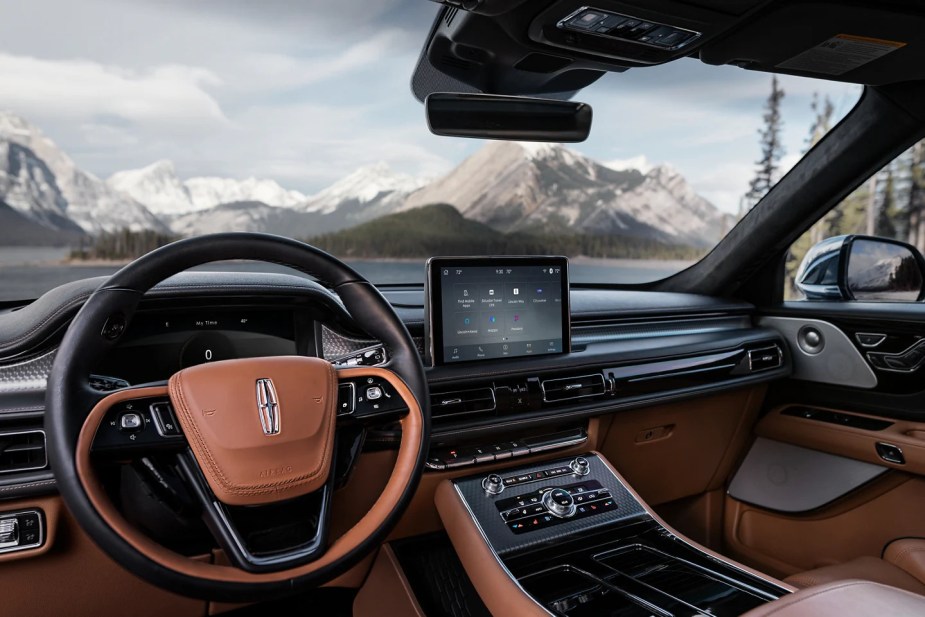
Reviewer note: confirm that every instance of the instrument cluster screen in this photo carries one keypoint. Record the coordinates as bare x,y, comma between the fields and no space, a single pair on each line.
499,307
157,344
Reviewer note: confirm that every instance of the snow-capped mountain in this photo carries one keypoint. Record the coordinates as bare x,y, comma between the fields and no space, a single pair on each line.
514,187
374,186
508,186
53,191
158,187
366,194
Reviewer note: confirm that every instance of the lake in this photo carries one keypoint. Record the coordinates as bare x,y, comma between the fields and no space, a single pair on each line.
27,272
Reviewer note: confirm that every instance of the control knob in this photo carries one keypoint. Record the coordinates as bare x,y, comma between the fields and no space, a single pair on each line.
559,502
493,484
580,466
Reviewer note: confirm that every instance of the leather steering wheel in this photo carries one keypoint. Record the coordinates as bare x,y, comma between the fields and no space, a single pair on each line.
250,435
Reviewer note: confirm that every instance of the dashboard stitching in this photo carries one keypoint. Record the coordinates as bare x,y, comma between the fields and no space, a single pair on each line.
38,326
18,487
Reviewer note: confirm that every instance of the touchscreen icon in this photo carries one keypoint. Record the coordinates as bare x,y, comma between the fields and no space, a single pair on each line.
491,292
516,291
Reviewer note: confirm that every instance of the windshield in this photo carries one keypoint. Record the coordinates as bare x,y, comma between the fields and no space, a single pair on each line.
127,124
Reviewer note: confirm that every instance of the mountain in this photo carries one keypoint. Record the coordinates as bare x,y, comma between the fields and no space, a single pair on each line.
43,184
158,187
364,195
440,229
513,186
374,188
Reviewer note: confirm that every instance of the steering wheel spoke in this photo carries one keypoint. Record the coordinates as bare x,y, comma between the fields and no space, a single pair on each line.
137,422
263,538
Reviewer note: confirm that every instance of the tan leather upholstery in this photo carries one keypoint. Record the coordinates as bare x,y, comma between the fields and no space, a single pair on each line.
844,599
863,568
902,566
908,554
217,407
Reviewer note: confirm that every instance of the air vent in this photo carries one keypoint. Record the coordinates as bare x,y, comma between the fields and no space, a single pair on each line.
556,390
451,61
462,402
22,451
764,359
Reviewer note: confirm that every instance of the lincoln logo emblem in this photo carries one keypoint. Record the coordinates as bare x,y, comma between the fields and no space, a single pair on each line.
268,406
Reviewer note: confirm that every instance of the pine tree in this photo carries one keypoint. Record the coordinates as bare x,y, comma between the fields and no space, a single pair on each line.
822,123
771,148
887,213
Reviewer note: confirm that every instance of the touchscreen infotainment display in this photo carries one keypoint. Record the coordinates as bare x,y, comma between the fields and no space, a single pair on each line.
496,307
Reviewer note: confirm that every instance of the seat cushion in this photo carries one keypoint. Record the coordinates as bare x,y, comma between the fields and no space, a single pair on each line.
863,568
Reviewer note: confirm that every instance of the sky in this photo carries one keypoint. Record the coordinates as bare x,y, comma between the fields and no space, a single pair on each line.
306,91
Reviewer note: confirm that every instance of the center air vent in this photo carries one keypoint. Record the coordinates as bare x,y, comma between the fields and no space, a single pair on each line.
765,358
555,390
22,451
462,402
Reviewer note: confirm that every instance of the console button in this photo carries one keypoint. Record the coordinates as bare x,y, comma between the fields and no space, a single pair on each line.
559,502
493,484
580,466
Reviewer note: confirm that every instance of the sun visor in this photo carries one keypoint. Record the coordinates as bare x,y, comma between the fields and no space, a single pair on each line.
857,44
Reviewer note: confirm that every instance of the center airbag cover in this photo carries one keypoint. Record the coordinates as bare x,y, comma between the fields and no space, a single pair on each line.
248,455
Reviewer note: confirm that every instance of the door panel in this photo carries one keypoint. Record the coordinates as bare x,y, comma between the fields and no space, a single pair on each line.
829,414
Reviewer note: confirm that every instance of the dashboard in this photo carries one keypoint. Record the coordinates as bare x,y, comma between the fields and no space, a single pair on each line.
627,349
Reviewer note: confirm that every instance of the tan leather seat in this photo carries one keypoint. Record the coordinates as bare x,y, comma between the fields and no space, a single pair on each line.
902,566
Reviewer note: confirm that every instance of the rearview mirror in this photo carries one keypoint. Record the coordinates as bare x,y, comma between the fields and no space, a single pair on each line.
516,118
862,268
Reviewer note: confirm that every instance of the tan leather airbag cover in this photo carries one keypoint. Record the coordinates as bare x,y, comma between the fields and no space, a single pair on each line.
216,404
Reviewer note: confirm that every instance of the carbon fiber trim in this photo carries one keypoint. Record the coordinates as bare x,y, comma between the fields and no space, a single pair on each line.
335,345
503,541
27,376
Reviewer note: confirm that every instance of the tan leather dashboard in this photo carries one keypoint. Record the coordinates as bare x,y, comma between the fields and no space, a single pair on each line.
848,441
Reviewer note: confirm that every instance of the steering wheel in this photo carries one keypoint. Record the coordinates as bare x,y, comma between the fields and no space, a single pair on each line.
253,439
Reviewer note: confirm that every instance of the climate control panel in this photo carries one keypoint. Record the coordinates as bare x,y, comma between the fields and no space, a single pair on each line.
548,506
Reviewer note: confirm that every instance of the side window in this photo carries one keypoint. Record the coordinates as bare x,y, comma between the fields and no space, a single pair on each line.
891,206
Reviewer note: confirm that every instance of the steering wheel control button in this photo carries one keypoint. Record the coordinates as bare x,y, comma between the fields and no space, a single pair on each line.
346,399
164,420
580,466
373,393
559,502
131,422
493,484
20,531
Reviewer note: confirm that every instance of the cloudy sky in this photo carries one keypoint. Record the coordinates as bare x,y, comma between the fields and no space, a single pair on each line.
306,91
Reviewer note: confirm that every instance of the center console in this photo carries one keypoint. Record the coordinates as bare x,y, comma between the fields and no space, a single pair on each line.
570,538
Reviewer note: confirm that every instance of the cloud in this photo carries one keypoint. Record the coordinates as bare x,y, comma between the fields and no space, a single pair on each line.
167,95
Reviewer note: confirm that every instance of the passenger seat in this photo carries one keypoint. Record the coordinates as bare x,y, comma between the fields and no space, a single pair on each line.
902,566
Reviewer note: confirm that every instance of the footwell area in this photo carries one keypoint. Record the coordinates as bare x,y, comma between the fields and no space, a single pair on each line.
438,578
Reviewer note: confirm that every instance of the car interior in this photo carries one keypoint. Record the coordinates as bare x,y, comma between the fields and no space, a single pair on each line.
696,445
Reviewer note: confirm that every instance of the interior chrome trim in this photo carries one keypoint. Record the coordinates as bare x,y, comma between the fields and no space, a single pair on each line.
858,335
25,547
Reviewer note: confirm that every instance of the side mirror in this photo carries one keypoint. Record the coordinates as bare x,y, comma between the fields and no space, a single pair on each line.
862,268
518,118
